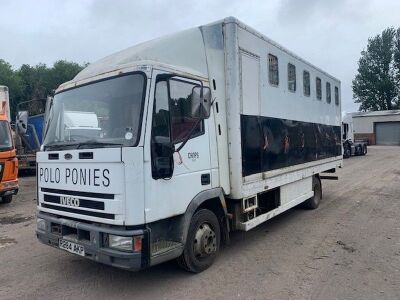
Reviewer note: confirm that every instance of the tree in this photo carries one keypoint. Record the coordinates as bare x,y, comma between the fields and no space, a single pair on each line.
35,82
13,82
375,85
40,81
396,58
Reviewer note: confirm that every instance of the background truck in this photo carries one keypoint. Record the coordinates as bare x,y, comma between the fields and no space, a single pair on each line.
206,131
8,160
29,132
351,147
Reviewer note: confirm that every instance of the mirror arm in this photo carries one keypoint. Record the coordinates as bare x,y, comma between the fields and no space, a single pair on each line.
192,130
213,100
189,135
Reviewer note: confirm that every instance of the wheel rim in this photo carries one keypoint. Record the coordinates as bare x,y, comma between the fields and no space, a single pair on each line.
205,241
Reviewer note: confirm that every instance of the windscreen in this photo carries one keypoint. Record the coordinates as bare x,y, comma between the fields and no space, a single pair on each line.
5,136
101,114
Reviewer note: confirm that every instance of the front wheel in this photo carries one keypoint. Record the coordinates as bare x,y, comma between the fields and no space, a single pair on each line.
202,242
6,199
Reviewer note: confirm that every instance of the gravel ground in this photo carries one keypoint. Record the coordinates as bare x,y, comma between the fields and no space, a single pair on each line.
348,248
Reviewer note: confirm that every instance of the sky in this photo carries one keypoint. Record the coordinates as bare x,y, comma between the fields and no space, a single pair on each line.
329,34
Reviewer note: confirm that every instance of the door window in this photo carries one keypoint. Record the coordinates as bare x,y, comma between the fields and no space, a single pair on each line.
180,108
160,133
161,122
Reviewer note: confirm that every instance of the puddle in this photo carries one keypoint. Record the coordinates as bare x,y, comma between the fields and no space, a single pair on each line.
5,241
15,219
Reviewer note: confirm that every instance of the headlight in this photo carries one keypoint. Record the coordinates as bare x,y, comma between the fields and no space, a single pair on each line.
125,243
41,224
120,242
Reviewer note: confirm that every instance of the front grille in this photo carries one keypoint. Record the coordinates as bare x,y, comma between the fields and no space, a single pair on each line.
76,193
79,211
82,202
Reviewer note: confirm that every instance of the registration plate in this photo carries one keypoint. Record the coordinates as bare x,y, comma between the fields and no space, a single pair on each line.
71,247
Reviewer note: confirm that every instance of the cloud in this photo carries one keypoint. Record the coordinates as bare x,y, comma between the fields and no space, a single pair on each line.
329,34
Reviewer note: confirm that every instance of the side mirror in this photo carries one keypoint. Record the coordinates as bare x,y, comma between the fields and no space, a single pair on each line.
22,121
49,104
201,102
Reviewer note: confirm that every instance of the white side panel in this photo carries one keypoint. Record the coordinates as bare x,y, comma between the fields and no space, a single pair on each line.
232,86
214,47
241,45
278,101
293,190
288,175
246,226
250,88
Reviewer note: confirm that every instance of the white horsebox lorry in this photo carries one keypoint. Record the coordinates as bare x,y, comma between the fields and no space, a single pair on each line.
186,138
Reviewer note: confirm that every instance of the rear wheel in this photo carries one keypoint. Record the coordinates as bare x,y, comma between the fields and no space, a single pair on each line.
314,201
364,150
360,150
347,152
202,242
6,199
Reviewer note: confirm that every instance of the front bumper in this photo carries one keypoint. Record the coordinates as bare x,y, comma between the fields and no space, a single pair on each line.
8,190
92,237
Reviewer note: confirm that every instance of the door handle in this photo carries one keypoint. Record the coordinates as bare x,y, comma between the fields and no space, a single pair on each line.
205,179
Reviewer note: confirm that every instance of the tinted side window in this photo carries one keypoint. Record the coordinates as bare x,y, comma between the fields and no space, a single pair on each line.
336,95
306,83
180,107
161,120
318,88
328,92
160,133
291,77
273,69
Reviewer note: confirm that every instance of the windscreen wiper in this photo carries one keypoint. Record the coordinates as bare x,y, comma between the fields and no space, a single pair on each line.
96,143
63,146
59,146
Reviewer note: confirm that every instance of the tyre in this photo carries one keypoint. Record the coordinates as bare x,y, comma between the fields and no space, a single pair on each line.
364,150
6,199
202,242
347,152
360,150
314,201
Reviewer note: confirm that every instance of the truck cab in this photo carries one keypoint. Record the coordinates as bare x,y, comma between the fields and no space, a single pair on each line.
123,155
350,146
8,160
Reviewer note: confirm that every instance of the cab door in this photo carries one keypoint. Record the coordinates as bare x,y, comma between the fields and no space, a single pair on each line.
169,120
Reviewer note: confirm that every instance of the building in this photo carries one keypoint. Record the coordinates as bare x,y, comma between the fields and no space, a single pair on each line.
378,127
